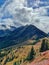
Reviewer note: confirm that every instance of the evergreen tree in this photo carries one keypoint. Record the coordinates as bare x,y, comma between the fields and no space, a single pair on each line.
14,63
31,55
44,45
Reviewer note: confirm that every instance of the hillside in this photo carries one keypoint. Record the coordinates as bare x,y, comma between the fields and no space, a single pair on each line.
43,59
18,54
20,35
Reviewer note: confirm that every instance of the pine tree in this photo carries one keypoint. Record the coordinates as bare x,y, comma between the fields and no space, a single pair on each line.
44,45
17,63
14,63
31,55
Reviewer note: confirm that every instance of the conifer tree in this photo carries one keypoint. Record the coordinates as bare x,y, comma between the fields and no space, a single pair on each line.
14,63
44,45
31,55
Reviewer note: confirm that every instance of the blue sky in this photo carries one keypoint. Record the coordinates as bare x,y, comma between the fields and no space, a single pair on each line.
2,2
22,12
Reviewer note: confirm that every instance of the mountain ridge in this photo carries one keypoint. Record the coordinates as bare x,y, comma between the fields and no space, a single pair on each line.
21,34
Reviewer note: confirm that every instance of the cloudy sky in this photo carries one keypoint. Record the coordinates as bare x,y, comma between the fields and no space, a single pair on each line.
22,12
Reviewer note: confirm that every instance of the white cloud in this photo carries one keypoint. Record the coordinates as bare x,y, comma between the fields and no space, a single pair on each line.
43,24
22,14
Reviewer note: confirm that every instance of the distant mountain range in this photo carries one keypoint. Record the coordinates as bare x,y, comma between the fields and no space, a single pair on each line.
5,31
19,35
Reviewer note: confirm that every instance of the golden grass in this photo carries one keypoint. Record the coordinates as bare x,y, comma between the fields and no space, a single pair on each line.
18,53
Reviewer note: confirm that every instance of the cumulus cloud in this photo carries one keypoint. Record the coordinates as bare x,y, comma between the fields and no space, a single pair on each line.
21,12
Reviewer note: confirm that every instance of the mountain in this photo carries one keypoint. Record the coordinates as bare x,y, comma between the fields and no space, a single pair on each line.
5,31
21,34
48,34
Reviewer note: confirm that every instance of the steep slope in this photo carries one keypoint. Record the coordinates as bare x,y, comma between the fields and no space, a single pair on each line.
21,34
43,59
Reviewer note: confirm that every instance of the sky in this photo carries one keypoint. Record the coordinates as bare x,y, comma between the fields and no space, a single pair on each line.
22,12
